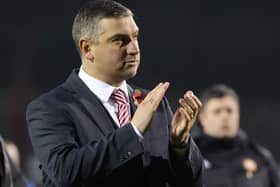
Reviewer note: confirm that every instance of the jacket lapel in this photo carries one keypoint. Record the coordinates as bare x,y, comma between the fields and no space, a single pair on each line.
133,107
89,102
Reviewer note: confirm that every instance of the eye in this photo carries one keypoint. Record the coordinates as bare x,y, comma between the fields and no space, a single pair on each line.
229,110
121,40
217,111
117,41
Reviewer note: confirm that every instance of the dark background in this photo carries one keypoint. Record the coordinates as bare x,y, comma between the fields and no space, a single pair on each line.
192,44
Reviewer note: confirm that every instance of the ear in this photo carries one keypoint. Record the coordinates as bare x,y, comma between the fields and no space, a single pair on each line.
86,49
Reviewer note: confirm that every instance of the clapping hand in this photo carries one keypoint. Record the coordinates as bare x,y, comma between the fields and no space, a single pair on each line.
184,118
144,114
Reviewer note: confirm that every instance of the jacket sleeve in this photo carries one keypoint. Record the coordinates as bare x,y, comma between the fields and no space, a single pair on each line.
63,159
185,162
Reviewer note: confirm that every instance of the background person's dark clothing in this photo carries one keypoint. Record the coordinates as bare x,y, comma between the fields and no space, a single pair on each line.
10,175
226,162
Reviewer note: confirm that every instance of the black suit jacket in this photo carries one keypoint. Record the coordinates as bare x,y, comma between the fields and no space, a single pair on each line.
79,144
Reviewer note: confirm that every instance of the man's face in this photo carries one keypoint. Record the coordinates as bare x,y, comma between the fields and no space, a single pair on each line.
116,56
220,117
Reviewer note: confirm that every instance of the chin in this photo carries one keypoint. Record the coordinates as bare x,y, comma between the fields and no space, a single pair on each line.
131,72
128,75
229,135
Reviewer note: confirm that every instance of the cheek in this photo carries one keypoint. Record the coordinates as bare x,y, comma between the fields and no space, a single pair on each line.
214,119
212,122
107,52
115,56
234,118
235,121
108,57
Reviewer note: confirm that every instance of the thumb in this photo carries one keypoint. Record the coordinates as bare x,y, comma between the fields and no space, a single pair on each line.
177,116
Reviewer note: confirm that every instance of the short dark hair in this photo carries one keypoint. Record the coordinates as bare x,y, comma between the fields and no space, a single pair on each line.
87,19
217,91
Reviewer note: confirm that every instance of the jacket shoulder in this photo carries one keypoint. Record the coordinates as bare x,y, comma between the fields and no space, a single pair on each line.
55,97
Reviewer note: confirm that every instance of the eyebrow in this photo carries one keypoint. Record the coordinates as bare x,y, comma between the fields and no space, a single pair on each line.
117,36
121,35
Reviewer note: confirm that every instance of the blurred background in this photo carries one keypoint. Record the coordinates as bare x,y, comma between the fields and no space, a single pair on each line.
192,44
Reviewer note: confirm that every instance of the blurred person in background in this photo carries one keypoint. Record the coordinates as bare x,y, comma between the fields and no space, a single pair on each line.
97,130
14,154
231,158
10,173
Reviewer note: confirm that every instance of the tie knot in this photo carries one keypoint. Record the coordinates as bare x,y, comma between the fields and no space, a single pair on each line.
119,96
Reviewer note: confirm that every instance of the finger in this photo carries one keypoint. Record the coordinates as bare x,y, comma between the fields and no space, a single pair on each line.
181,131
196,99
198,102
185,115
175,120
183,126
150,95
191,101
185,136
156,96
186,107
160,93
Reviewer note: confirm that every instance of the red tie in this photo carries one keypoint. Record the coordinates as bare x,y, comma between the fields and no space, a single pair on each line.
123,114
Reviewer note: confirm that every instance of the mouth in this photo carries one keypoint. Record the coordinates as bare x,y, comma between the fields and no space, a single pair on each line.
226,127
131,61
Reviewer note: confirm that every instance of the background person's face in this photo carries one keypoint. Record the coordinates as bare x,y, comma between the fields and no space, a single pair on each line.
117,54
220,117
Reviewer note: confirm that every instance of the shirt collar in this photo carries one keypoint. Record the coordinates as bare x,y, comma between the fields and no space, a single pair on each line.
101,89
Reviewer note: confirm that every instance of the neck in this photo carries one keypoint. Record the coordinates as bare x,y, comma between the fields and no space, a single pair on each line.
109,80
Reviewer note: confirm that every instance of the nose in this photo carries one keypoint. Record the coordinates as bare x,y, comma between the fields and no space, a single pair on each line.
133,47
225,114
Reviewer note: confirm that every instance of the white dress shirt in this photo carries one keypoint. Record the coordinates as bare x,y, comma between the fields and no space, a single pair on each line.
104,91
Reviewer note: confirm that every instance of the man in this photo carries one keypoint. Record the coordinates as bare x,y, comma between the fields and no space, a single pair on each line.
10,174
96,130
231,158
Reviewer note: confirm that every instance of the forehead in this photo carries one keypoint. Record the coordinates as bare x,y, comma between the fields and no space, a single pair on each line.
226,101
123,25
